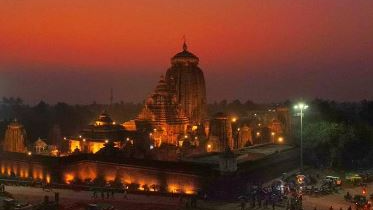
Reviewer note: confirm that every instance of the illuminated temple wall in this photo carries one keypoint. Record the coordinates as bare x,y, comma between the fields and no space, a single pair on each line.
24,170
83,170
175,182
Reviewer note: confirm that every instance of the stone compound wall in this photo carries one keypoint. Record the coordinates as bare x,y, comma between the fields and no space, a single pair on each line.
171,181
54,172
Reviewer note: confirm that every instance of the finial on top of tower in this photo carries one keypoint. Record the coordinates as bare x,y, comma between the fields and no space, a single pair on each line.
185,47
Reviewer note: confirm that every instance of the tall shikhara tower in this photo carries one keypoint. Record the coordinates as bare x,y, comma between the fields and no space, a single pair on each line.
187,80
15,136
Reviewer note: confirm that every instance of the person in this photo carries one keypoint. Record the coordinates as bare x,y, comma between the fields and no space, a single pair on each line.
107,194
193,202
125,194
331,208
187,203
112,193
2,187
181,199
243,204
266,202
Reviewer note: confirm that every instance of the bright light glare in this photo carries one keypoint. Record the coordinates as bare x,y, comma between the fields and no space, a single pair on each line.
301,106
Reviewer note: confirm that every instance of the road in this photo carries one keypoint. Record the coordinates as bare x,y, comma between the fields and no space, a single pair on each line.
69,198
336,200
140,202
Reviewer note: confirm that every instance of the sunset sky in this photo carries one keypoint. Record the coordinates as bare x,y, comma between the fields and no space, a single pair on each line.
263,50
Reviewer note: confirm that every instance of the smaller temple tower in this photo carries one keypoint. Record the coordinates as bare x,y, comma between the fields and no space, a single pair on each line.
15,137
220,133
244,137
162,116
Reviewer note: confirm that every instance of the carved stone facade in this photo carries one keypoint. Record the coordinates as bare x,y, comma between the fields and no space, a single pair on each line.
15,137
162,116
187,80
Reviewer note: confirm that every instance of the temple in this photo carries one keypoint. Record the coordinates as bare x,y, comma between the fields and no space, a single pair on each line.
94,136
15,137
187,79
162,116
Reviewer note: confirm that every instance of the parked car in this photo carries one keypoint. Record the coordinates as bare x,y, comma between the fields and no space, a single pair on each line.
335,180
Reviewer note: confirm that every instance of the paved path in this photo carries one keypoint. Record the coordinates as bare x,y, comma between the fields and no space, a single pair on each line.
70,197
139,202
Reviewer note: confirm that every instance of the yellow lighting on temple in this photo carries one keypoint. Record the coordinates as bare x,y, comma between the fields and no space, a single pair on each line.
48,178
69,178
95,147
74,144
280,139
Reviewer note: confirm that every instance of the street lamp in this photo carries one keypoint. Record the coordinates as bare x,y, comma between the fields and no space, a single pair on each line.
301,107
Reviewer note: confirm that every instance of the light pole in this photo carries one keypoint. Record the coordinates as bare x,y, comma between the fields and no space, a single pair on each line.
302,107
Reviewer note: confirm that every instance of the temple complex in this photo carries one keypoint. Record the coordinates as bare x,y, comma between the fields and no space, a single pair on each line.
162,117
15,137
187,80
94,136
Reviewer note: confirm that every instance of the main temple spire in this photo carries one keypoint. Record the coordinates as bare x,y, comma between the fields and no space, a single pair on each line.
185,47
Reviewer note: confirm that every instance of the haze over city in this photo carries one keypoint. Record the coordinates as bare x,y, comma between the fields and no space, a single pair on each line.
264,51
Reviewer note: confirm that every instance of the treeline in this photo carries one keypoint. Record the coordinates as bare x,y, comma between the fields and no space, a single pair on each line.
338,135
41,118
335,134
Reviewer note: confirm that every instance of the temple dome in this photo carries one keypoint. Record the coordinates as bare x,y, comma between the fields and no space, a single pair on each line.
104,119
184,57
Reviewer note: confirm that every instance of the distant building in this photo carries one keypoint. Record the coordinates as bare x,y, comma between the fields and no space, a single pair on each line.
244,137
162,117
15,137
40,146
269,125
187,80
55,137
